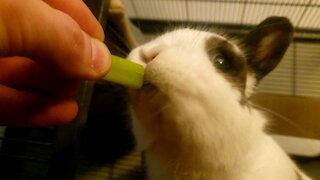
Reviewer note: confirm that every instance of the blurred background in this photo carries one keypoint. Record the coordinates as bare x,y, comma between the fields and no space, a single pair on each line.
99,144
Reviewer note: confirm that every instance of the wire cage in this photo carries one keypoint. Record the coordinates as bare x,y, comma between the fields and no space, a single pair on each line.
99,144
236,17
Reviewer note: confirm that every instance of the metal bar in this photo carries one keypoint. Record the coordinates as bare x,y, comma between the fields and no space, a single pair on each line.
254,2
304,12
41,143
294,70
245,4
24,158
158,26
187,9
134,8
17,175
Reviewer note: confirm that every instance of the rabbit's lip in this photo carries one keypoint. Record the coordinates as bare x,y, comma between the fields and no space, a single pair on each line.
148,86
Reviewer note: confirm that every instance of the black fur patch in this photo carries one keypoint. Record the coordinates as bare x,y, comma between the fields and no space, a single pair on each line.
228,60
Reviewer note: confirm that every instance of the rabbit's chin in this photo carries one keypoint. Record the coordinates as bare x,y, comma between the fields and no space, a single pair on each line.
149,106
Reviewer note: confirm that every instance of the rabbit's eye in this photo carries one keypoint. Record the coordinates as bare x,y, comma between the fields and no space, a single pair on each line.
222,63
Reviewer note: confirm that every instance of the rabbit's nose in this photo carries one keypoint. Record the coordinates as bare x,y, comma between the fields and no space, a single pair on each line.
150,54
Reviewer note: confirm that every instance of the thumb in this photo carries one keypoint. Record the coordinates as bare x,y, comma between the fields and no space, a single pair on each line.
52,39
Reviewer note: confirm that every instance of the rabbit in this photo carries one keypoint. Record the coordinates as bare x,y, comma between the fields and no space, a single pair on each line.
193,119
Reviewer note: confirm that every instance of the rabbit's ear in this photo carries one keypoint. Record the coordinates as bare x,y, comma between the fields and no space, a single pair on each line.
266,44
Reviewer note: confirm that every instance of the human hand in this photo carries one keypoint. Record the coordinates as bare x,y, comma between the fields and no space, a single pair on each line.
46,49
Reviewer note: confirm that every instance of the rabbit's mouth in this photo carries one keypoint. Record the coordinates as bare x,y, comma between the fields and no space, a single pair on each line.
149,100
148,87
147,91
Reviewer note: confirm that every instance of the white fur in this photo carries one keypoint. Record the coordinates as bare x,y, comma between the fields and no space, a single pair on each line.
250,85
192,126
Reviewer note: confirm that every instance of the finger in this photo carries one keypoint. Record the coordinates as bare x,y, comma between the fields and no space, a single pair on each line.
51,38
18,108
24,74
81,14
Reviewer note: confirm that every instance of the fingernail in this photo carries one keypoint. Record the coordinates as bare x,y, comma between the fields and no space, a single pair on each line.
101,57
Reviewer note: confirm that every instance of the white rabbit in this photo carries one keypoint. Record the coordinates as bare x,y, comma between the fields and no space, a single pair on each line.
193,117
